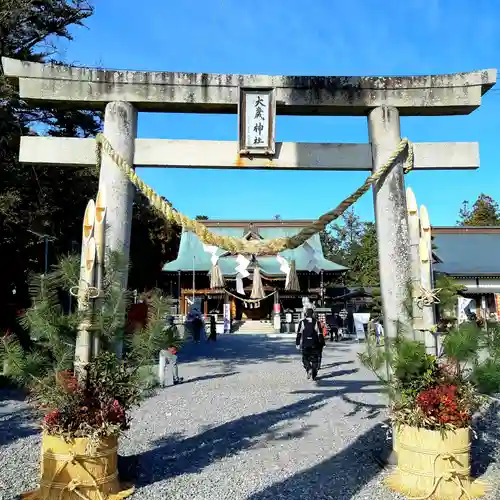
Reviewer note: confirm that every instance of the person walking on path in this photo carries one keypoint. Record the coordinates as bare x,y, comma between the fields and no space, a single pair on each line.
310,340
213,329
196,325
323,332
334,325
171,359
168,356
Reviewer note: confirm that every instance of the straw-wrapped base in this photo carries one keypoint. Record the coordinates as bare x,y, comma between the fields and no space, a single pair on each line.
75,471
432,465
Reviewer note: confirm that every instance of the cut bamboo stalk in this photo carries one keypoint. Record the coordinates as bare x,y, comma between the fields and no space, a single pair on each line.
414,233
87,233
428,312
99,236
83,344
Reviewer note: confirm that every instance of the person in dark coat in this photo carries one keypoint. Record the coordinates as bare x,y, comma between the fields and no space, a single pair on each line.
213,329
310,340
333,326
197,325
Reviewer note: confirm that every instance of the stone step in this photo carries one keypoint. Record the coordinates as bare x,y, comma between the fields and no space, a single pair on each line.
250,326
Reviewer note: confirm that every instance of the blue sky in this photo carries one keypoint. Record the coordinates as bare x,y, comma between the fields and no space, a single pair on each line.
320,37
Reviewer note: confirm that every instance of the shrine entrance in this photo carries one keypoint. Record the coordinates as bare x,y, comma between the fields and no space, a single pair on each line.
256,312
258,99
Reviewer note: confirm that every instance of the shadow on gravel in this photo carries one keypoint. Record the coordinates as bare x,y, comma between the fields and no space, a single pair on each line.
207,377
9,393
345,474
16,425
486,449
232,350
16,419
341,476
339,373
174,456
336,364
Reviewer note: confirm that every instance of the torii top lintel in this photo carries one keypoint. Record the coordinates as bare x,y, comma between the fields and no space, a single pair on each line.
87,88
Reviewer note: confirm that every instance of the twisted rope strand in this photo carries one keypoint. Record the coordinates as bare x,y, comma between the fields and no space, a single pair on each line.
452,475
239,245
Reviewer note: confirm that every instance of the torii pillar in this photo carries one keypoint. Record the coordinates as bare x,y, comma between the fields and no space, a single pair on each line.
120,127
392,222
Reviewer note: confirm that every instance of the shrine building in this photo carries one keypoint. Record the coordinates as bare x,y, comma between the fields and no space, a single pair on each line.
246,286
470,256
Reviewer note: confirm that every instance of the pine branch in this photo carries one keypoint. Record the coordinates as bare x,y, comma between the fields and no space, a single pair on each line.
65,274
486,375
145,344
463,343
26,369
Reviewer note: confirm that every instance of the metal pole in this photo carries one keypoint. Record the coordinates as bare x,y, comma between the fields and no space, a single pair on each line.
74,247
178,292
194,279
46,240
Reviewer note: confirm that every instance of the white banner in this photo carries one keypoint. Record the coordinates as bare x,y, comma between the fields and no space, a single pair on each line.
466,307
239,284
284,268
227,318
241,268
212,250
312,265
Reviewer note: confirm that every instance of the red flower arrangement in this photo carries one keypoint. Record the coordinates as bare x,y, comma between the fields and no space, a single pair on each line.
51,419
67,380
441,404
116,414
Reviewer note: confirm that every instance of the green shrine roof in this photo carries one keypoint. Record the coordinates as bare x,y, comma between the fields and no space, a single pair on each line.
192,255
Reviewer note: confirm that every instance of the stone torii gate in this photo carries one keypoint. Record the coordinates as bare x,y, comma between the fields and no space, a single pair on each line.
122,94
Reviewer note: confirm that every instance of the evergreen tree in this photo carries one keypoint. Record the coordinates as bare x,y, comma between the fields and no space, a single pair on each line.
484,212
29,30
340,238
363,261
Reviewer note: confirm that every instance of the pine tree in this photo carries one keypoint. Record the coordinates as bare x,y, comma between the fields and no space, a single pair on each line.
30,30
363,260
448,296
485,212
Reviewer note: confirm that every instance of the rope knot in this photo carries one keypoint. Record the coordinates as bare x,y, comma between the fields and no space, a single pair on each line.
73,485
449,475
427,298
88,291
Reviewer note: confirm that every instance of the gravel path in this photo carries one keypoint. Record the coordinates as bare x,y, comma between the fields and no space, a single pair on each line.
246,425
